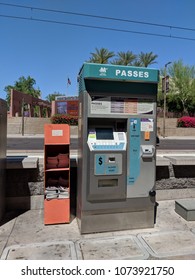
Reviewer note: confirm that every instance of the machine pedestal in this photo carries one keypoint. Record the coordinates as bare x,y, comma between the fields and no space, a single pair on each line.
116,221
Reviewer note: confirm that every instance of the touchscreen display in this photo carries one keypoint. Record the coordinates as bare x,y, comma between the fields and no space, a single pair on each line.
104,133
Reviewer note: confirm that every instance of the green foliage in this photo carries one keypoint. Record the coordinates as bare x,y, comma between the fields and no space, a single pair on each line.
183,78
174,103
181,95
101,56
25,85
124,58
191,106
146,59
64,119
51,97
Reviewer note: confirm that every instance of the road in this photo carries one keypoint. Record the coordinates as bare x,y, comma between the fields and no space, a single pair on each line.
28,143
177,144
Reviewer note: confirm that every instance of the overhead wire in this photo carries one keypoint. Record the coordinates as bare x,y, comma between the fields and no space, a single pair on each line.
98,27
101,17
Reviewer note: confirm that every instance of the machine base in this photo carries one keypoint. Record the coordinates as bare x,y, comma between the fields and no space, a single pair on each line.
91,223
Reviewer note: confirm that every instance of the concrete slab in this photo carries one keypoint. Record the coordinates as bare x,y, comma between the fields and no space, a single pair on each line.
30,162
169,244
5,231
41,251
162,161
182,160
171,194
188,204
123,247
167,218
29,228
186,208
19,162
171,238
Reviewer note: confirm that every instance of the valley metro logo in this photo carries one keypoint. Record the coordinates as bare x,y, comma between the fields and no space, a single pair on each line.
103,71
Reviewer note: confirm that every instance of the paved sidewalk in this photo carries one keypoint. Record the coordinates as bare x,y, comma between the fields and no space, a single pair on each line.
26,237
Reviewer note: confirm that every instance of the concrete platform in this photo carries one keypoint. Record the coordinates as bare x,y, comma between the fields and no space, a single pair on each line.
20,162
162,161
176,243
38,251
186,208
182,160
24,236
183,166
118,247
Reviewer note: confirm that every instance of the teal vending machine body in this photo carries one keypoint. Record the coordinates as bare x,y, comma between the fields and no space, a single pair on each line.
117,147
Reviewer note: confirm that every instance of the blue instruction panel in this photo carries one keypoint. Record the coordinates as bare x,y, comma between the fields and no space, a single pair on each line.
100,164
103,165
134,151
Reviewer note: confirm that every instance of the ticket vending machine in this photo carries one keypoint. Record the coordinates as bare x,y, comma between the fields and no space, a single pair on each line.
117,147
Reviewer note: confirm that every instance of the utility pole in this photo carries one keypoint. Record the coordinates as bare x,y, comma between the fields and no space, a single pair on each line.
165,93
22,116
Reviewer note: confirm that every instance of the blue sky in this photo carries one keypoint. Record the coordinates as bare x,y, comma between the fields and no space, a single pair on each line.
52,52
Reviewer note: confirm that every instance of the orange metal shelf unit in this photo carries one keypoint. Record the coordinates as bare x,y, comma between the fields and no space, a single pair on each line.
56,141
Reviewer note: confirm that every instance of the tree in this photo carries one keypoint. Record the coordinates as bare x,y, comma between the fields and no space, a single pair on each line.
137,63
101,56
174,103
146,59
183,77
25,85
51,97
124,58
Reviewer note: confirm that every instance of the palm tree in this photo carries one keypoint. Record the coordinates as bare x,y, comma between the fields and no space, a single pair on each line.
137,63
124,58
145,59
101,56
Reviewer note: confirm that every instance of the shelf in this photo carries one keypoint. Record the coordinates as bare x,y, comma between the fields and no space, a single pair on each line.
56,151
53,144
57,169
